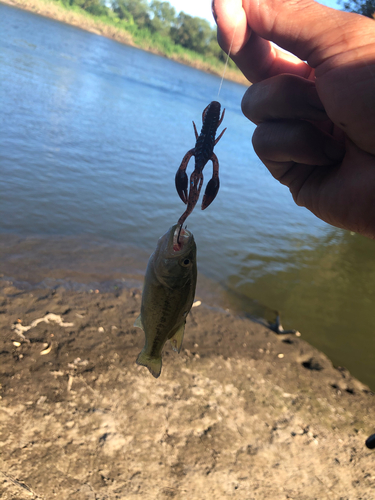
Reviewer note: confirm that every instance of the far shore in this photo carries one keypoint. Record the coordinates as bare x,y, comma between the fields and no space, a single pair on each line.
89,23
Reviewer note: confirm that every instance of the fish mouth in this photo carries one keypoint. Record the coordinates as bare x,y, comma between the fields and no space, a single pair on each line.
180,238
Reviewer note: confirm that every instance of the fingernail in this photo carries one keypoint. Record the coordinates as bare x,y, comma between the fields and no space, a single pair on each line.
334,150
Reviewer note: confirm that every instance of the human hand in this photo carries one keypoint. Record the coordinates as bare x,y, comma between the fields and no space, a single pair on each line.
315,119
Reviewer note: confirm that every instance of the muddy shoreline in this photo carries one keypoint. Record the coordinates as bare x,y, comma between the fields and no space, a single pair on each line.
240,413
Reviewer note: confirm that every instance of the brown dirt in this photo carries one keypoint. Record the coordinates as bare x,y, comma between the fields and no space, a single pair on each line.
241,413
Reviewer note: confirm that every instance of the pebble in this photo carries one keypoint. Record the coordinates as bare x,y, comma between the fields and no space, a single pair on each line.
370,442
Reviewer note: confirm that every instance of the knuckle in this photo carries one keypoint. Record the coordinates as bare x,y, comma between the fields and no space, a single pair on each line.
262,140
248,103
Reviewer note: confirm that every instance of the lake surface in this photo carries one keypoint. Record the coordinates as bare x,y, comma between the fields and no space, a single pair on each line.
91,135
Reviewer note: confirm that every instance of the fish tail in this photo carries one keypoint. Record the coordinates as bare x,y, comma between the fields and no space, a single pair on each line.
153,364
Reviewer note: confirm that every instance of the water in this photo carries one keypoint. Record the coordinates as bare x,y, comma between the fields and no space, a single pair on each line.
91,135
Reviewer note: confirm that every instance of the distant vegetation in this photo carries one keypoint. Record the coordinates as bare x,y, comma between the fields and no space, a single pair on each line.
364,7
156,24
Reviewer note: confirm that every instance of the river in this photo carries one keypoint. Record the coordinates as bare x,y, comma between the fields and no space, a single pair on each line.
91,135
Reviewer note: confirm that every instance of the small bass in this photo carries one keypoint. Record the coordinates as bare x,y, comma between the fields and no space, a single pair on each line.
168,295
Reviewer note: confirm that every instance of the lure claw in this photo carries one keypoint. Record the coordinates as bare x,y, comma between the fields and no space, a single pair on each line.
181,181
212,189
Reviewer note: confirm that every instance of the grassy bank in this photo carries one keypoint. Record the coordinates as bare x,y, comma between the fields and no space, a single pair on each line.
126,33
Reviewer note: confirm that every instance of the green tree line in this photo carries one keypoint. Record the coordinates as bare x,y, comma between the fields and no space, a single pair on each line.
156,24
364,7
159,19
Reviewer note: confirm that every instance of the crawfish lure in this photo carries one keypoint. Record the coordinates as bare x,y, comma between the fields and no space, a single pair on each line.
203,152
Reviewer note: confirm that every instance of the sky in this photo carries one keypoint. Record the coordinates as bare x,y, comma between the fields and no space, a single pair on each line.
202,8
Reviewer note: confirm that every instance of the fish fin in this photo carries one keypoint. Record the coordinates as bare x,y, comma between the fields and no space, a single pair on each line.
138,322
153,364
177,338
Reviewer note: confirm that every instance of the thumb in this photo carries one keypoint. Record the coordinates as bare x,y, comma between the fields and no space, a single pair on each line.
313,32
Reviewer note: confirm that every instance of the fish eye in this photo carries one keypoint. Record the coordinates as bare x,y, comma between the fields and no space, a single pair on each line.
186,262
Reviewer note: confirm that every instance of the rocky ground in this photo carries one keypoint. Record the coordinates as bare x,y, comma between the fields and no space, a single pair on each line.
241,413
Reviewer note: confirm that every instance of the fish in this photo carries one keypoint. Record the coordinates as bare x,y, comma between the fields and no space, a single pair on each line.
168,295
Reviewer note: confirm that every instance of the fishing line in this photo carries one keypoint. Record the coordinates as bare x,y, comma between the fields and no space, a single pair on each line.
227,59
